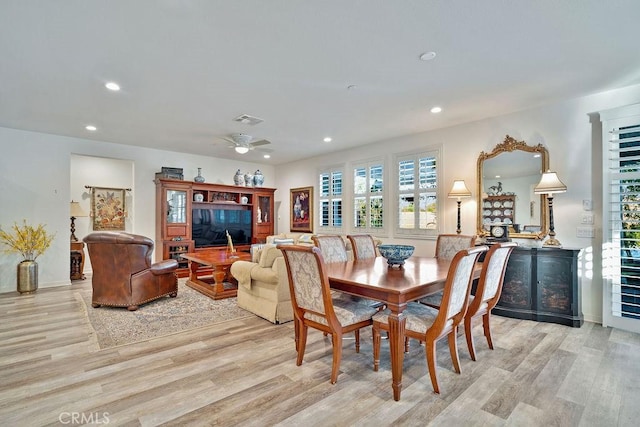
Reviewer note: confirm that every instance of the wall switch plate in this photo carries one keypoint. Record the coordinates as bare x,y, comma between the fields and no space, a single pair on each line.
587,219
587,205
588,232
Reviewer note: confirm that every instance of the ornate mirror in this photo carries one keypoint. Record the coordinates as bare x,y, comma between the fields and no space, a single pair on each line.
506,178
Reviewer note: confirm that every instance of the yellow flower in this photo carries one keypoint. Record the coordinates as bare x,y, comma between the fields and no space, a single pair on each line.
28,241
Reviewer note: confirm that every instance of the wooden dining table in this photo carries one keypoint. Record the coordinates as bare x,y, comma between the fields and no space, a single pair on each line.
374,279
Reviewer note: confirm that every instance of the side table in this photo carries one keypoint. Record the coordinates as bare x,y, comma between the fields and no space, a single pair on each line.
77,261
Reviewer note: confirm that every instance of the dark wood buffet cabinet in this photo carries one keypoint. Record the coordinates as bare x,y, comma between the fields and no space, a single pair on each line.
176,200
542,284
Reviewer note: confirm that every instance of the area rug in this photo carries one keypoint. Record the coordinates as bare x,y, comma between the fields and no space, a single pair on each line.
190,309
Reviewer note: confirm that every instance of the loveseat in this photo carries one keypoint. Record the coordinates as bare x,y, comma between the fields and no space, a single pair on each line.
263,284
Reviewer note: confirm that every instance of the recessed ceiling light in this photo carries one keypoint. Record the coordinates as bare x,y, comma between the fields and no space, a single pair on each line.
91,128
427,56
267,156
497,176
112,86
327,139
436,110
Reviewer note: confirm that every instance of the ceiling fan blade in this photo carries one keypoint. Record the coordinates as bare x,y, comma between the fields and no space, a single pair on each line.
260,142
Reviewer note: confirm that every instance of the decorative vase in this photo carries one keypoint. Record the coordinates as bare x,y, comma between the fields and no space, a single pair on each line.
258,178
238,178
199,178
248,179
27,277
198,197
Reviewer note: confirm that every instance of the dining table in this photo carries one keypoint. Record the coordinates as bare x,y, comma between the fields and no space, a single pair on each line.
395,286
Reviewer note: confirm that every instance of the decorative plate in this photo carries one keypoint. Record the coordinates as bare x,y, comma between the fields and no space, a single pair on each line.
507,221
487,212
487,204
508,204
497,204
487,221
507,211
497,221
497,212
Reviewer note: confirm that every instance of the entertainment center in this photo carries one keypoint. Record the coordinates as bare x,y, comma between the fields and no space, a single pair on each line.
195,217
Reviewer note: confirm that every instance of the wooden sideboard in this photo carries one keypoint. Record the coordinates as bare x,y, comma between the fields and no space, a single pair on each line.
542,284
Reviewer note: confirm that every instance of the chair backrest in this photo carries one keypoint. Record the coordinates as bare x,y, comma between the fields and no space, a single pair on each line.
492,276
455,296
363,246
332,248
118,253
448,245
309,286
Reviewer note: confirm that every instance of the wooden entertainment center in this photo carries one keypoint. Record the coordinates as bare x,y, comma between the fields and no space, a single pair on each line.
176,201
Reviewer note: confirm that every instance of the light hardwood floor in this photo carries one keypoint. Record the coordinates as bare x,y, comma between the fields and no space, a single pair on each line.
243,373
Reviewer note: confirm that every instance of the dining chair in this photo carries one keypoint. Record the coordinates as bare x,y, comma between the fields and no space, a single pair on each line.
429,325
332,247
363,246
313,305
448,245
487,293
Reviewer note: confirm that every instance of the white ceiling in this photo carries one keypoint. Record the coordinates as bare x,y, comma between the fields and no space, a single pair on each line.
188,67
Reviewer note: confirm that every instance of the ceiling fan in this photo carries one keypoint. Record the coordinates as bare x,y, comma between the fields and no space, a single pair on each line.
242,142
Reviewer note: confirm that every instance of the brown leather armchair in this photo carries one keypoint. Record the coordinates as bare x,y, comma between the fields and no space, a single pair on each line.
123,275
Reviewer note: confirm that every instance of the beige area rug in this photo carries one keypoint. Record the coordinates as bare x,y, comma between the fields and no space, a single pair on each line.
189,310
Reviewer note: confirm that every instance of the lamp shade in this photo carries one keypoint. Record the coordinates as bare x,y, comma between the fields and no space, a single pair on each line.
242,150
459,190
76,210
549,184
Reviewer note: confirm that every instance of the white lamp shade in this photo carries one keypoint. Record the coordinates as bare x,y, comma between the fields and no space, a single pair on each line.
76,210
549,184
242,150
459,190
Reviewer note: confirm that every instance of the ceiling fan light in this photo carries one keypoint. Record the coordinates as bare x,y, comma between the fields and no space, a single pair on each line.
242,150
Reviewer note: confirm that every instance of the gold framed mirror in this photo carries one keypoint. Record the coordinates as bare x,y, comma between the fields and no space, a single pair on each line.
506,179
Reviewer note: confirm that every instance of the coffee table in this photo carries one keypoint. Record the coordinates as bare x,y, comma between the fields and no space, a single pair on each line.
219,284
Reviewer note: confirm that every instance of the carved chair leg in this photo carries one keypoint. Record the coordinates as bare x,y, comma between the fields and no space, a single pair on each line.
376,348
336,338
486,324
430,351
469,336
302,343
357,334
453,349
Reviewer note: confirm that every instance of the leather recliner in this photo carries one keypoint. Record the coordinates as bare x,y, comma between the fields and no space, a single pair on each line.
123,274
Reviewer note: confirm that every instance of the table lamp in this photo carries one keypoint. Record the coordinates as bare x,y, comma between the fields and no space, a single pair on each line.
459,191
76,212
550,184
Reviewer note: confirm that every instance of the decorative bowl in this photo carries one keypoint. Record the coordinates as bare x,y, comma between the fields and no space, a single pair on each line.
396,254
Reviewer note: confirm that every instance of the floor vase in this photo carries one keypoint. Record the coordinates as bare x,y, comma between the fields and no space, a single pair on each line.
27,277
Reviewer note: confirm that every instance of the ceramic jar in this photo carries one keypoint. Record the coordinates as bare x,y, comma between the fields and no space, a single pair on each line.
199,177
258,178
238,178
248,179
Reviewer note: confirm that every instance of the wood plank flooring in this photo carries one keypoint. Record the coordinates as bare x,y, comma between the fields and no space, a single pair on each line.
243,373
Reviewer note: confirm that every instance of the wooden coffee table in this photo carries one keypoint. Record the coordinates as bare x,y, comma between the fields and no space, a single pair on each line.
219,284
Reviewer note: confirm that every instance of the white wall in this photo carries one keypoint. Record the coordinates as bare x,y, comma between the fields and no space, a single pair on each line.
564,128
40,174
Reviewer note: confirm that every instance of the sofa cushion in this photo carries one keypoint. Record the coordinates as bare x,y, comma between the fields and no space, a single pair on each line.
268,254
305,238
283,241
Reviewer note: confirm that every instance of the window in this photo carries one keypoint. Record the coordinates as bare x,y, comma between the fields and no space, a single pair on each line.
621,196
330,200
368,200
417,194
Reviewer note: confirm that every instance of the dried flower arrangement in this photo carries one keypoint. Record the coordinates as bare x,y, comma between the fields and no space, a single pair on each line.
27,240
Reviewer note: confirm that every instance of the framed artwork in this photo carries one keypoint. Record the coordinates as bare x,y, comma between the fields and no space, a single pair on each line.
302,209
107,208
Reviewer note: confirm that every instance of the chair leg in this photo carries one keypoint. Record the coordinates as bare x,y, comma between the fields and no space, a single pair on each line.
296,327
406,344
430,350
336,339
376,348
302,344
453,349
357,334
469,336
486,324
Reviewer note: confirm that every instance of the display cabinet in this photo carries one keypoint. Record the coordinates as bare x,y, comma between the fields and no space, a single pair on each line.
542,284
190,217
498,210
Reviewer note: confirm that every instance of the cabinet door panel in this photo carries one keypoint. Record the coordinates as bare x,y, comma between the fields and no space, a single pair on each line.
554,284
516,290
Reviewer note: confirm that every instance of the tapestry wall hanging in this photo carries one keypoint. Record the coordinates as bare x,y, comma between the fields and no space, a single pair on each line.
107,208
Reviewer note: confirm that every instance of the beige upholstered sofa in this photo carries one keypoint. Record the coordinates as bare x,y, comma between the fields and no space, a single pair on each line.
263,285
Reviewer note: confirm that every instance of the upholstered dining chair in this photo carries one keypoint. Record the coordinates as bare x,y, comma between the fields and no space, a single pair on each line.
313,305
487,293
363,246
448,245
427,324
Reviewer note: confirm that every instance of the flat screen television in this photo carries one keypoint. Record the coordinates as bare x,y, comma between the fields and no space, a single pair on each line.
209,227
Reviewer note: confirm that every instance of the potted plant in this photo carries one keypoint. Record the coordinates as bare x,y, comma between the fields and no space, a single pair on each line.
30,242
